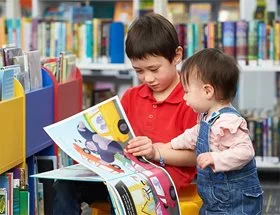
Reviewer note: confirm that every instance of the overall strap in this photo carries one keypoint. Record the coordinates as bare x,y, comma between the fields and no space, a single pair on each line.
229,110
216,115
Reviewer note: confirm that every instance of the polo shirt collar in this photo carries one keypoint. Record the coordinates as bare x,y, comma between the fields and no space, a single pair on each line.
175,97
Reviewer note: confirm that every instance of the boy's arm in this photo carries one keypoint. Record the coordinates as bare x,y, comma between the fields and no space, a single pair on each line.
143,146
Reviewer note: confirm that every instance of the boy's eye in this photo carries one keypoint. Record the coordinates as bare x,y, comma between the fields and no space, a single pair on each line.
154,69
139,71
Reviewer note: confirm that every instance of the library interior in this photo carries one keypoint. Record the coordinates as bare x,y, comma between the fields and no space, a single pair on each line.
78,50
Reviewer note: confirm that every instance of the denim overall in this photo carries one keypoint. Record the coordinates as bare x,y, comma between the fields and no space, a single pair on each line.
234,192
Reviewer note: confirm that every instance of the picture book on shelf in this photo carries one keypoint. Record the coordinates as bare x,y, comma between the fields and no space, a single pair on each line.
6,83
96,139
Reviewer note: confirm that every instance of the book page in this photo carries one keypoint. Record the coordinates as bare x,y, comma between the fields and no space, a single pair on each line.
75,172
149,192
96,138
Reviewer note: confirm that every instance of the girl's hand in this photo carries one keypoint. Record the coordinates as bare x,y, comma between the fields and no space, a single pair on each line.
204,160
141,146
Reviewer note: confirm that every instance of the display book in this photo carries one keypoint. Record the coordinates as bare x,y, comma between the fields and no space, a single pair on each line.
96,139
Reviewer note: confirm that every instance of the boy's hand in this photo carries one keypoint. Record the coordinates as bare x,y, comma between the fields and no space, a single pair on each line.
141,146
204,160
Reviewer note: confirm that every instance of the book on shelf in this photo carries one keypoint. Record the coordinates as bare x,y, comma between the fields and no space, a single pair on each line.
34,69
228,11
200,12
96,139
177,12
123,12
264,133
6,83
3,201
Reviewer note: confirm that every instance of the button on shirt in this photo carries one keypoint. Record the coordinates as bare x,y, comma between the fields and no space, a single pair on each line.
160,121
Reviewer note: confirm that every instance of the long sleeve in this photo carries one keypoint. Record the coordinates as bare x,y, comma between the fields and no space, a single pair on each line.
231,147
186,140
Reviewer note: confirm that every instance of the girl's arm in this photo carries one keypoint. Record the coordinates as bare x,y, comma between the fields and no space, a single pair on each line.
175,157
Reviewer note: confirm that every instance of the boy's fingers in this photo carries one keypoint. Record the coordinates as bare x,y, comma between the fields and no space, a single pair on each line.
141,153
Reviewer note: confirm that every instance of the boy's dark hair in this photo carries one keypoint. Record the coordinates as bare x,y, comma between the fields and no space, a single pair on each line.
213,67
151,34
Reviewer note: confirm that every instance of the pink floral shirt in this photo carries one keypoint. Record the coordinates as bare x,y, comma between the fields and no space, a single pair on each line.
230,144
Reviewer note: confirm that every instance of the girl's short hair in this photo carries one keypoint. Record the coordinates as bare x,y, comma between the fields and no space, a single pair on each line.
213,67
151,34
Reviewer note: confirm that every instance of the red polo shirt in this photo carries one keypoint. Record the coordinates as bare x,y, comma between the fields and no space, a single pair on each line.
161,121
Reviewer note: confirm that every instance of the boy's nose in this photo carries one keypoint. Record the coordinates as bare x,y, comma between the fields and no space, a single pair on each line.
149,78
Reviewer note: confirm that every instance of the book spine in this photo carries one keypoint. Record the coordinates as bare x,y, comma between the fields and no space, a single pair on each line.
229,38
116,42
241,40
252,41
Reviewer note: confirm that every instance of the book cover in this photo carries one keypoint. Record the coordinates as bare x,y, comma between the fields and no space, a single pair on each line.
23,75
6,84
10,176
200,12
3,202
16,203
10,53
34,68
6,201
123,12
24,202
80,14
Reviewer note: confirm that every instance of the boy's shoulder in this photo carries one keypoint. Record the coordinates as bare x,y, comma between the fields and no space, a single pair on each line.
141,89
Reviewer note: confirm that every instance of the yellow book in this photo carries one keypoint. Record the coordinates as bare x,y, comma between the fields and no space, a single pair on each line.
3,38
69,37
96,39
277,40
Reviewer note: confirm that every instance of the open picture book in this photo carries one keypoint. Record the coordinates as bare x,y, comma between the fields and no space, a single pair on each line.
95,138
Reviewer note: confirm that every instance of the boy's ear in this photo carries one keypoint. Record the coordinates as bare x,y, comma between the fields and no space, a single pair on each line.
209,91
178,55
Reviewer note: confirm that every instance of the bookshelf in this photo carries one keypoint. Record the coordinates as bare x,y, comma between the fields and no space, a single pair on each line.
105,66
12,119
251,93
268,165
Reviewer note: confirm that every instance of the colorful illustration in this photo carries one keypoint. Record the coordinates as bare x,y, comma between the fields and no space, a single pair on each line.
107,122
137,193
143,197
160,181
112,168
100,145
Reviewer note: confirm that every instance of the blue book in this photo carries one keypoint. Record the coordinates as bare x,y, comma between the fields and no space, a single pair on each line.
116,42
81,14
6,84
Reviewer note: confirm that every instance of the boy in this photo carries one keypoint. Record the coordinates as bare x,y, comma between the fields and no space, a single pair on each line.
155,109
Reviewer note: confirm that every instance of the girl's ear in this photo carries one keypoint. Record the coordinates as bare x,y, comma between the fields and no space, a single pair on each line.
178,55
209,91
